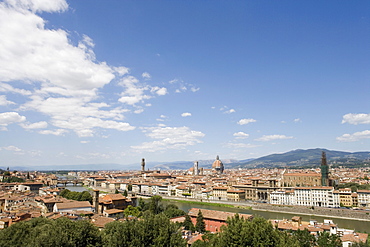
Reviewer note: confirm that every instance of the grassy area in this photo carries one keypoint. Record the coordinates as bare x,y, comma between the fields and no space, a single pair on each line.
201,203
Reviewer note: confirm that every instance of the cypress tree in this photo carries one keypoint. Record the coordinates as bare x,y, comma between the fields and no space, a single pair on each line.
200,226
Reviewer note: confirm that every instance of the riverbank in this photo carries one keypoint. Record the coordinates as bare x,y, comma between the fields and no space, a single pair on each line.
360,215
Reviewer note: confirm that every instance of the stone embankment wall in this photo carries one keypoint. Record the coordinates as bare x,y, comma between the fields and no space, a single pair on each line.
334,212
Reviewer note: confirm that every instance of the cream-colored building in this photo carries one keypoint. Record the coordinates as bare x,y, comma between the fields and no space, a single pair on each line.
300,179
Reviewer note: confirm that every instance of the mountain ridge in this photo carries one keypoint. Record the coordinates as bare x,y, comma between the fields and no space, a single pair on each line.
293,158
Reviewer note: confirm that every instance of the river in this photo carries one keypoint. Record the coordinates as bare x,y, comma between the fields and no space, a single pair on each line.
78,188
359,226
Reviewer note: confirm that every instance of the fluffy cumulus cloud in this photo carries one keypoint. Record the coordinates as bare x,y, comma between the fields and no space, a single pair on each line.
246,121
7,118
186,114
169,138
241,135
355,136
266,138
353,118
62,80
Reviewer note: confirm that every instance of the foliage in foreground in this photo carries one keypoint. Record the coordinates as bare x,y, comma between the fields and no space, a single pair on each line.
41,232
152,230
78,196
156,230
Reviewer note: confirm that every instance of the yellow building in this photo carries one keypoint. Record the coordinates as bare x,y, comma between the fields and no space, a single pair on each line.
345,197
235,195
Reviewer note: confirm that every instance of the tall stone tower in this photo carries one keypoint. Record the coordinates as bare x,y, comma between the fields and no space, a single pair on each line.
142,164
196,169
324,170
96,201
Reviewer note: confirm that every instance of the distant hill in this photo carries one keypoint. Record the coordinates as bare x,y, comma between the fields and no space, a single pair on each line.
295,158
308,157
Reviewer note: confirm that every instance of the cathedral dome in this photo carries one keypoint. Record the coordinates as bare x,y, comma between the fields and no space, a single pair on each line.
217,165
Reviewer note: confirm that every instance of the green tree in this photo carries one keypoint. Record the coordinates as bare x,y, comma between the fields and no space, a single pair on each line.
154,205
304,238
152,230
188,224
116,191
326,239
172,211
44,232
125,193
78,196
129,187
200,226
132,211
257,232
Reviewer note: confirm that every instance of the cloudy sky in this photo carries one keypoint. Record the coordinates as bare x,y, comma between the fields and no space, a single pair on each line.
115,81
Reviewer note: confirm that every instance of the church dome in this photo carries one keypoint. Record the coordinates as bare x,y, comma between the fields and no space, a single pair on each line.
217,163
217,166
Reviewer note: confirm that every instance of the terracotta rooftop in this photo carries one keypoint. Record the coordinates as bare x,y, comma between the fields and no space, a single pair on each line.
75,204
215,215
354,237
100,221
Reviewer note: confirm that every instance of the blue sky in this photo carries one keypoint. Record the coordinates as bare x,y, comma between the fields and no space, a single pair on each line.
117,81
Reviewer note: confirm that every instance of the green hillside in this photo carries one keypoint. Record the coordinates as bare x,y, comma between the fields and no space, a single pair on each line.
309,157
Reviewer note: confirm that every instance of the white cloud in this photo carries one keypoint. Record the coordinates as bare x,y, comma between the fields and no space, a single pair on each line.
65,78
160,91
7,118
12,148
297,120
58,132
38,125
39,5
194,89
8,88
230,111
354,137
266,138
241,135
186,114
121,70
146,76
169,138
30,52
4,101
353,118
138,111
246,121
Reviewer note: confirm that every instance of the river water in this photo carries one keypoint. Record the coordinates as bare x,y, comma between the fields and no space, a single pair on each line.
78,188
359,226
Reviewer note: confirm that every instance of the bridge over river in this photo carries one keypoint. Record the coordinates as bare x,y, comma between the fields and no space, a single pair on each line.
64,182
